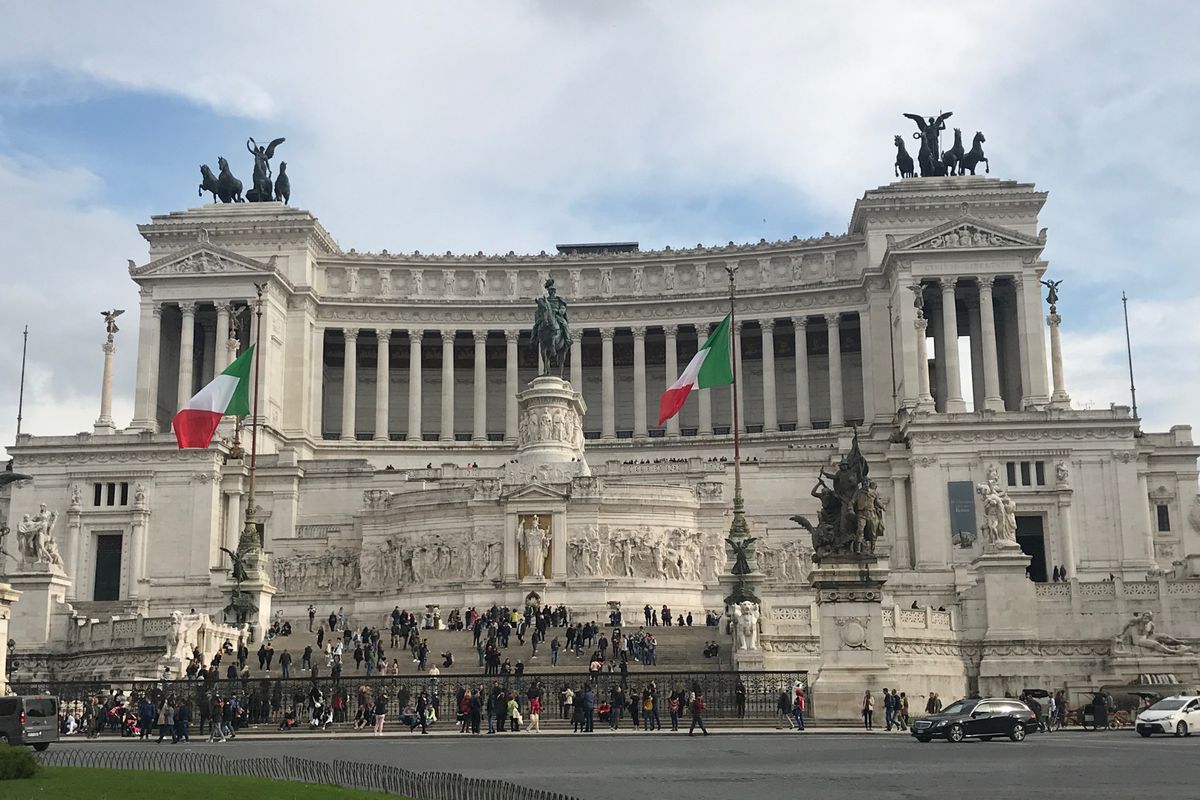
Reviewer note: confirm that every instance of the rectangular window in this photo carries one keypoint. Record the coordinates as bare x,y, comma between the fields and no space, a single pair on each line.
1039,472
97,493
1012,473
111,494
1025,480
124,494
1164,518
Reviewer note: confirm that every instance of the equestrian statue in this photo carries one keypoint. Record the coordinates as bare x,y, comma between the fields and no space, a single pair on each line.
551,330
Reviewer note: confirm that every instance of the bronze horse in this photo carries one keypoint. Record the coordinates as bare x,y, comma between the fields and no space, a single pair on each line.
229,188
975,155
952,158
208,182
904,162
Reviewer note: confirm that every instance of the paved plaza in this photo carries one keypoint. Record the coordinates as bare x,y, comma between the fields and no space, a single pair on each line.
848,766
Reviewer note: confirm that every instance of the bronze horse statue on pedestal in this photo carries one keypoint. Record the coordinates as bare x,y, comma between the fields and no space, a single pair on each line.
904,162
974,156
952,158
229,188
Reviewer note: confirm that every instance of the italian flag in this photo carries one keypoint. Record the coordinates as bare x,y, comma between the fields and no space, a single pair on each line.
227,395
709,367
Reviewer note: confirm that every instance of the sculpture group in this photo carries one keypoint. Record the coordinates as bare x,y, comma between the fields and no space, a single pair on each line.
228,189
999,514
851,517
931,159
35,540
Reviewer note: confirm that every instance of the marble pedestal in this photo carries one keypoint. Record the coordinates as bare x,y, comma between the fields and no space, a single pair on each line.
749,660
261,591
1009,598
8,596
549,432
42,589
853,655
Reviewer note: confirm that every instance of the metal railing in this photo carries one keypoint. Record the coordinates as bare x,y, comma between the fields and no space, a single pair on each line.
266,700
348,774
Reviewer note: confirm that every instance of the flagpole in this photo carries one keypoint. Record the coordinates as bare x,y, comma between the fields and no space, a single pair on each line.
249,541
738,529
21,393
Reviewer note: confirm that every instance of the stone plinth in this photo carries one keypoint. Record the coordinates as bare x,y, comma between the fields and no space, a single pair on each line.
8,596
1009,599
42,589
749,660
853,655
550,430
261,591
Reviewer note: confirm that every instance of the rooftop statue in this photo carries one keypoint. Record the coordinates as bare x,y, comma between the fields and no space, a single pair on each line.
851,516
551,331
263,190
929,132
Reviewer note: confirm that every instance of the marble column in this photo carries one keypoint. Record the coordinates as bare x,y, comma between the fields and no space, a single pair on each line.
349,383
803,407
866,364
447,434
1059,398
414,386
383,384
608,386
948,349
975,338
741,395
510,385
770,412
137,554
1033,345
208,352
73,546
672,351
222,336
233,524
992,401
1066,523
704,401
145,413
902,547
479,421
639,382
837,406
577,360
187,352
924,398
104,423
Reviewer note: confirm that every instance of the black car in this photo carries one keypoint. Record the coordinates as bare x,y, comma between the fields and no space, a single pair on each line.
982,719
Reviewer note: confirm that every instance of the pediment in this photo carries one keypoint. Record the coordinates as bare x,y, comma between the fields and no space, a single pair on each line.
201,259
535,491
967,233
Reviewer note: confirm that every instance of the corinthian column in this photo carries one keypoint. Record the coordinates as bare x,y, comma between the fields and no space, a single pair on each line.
948,351
837,412
104,424
222,337
447,386
639,382
187,348
414,386
803,408
924,398
510,385
145,413
1059,398
770,416
349,384
741,398
608,402
479,426
669,333
383,383
577,360
987,323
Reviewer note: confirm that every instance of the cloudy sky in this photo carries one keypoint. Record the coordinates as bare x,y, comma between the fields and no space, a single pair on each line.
503,126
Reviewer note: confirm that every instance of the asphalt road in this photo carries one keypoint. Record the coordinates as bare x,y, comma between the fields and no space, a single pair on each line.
1064,765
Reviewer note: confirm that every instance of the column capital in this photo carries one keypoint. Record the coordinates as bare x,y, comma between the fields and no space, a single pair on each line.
383,334
737,327
512,336
187,307
576,335
833,319
607,334
986,282
156,310
350,334
670,330
448,336
1053,320
415,337
767,324
479,336
639,331
800,322
948,284
920,323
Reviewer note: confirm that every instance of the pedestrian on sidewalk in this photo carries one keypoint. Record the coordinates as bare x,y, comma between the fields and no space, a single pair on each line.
739,698
783,710
698,714
868,709
380,713
799,704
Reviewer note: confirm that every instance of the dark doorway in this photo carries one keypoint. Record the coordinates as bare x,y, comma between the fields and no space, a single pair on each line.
108,567
1031,537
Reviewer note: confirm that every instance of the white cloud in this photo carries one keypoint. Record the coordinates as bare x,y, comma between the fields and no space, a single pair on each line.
493,126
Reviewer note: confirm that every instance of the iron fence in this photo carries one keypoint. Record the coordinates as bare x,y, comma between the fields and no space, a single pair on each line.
266,700
348,774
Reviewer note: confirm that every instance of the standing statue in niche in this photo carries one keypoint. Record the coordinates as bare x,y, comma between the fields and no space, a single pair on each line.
745,625
551,330
535,542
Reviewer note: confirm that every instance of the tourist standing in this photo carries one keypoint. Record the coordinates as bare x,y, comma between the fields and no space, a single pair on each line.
888,710
798,707
739,698
868,709
535,714
698,714
380,713
934,704
783,710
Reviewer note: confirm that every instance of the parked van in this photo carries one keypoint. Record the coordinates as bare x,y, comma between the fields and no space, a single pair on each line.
29,719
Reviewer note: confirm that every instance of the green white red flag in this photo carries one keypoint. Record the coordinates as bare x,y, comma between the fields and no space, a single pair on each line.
711,366
227,395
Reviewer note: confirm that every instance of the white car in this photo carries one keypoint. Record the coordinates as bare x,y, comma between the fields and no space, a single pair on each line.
1179,715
